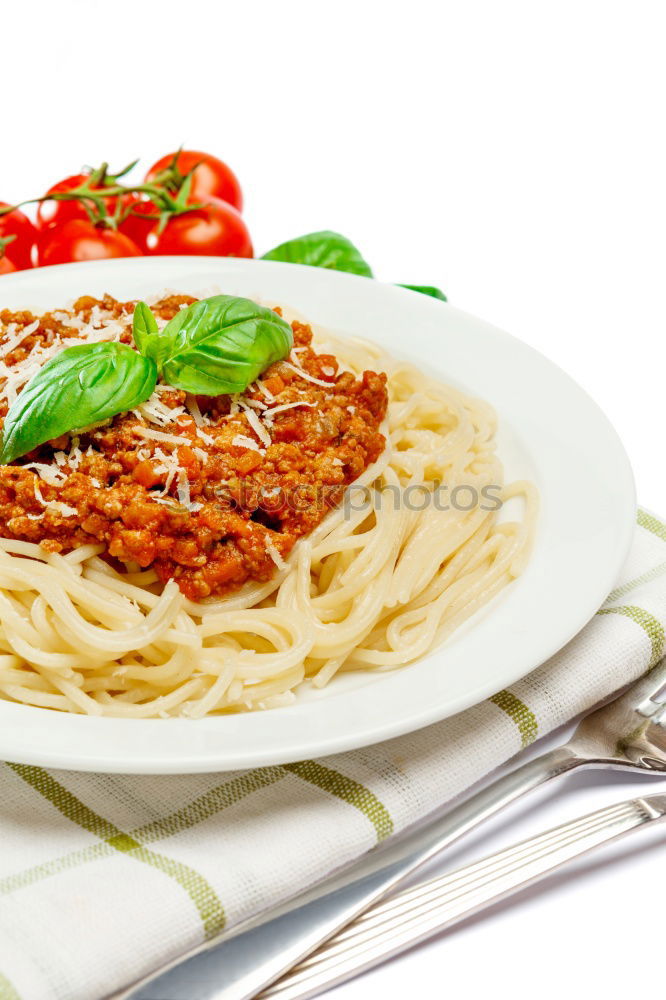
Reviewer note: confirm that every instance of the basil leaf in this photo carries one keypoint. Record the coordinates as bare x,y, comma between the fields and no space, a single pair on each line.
144,325
79,387
148,337
219,345
435,293
324,249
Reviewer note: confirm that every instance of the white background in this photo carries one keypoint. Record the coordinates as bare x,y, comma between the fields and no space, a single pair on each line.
512,153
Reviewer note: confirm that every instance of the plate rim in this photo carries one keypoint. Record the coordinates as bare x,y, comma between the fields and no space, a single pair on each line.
225,758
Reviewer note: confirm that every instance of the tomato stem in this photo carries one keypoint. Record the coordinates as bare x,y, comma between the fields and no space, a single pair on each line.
100,186
4,243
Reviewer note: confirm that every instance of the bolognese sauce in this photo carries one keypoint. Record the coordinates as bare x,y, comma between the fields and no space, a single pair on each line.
208,491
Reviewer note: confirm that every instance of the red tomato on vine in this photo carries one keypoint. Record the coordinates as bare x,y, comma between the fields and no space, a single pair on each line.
6,266
79,240
211,177
17,228
216,229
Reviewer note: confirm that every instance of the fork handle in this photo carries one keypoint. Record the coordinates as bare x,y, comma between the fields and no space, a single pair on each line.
259,953
419,913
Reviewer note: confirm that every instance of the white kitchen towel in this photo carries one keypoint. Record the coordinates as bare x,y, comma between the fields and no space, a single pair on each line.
104,878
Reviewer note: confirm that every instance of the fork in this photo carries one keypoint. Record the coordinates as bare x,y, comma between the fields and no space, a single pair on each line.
628,733
414,915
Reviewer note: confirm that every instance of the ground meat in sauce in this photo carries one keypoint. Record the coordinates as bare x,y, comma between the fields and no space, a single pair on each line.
246,497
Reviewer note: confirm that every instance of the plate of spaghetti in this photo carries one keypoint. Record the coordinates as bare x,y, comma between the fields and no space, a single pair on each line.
253,512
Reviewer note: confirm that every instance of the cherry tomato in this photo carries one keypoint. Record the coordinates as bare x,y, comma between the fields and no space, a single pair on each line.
211,177
56,213
6,266
216,230
78,240
19,251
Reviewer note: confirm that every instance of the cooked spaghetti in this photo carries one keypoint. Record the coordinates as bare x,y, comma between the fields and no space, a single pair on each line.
204,555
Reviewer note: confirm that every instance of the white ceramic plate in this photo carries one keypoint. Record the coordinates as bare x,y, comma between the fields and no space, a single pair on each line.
551,432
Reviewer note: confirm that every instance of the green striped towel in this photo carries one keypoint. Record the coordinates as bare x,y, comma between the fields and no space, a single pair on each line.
105,878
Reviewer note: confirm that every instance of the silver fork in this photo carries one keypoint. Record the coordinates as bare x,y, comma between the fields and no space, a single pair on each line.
626,734
414,915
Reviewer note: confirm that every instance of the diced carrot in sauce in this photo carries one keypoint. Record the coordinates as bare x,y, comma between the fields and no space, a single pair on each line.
248,461
274,384
144,474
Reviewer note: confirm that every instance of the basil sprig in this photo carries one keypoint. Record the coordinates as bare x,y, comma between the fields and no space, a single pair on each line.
80,386
144,325
217,345
336,252
324,249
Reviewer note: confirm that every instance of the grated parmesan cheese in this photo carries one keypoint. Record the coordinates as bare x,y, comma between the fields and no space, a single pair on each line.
75,455
154,411
242,441
166,500
305,375
268,414
15,339
274,553
183,488
49,475
256,425
38,494
266,392
195,412
168,464
199,419
64,508
151,435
